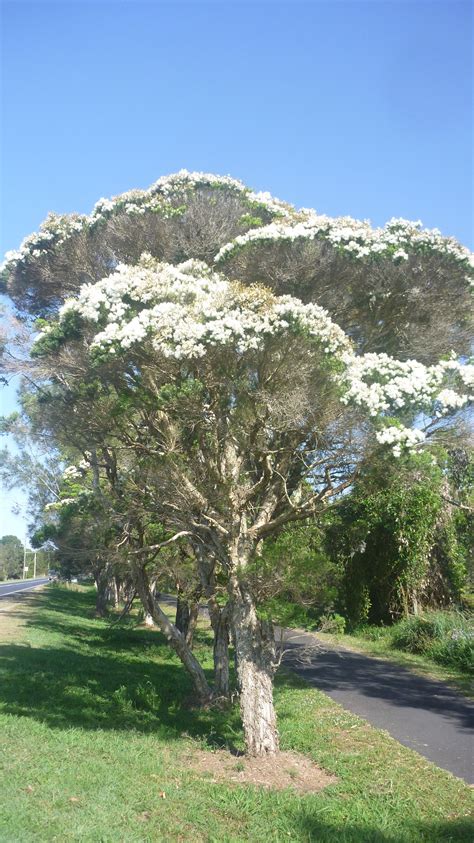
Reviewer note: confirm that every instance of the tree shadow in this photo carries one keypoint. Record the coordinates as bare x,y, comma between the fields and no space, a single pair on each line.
310,827
103,677
342,673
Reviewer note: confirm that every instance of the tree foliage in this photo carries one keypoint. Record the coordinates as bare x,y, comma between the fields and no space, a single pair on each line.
399,537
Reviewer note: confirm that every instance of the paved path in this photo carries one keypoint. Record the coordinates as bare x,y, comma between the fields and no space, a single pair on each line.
423,714
13,590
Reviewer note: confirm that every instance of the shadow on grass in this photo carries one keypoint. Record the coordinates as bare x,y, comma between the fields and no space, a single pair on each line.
311,828
99,676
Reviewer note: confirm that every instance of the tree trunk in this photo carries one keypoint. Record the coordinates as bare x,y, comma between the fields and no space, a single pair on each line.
101,582
192,622
113,592
219,621
255,648
182,614
174,637
220,625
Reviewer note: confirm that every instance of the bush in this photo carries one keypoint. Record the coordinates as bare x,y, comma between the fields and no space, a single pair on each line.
334,624
446,637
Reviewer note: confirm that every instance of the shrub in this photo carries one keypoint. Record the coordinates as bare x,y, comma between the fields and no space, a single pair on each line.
334,624
446,637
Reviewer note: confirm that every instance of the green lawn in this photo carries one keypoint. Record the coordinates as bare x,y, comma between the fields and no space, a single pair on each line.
95,725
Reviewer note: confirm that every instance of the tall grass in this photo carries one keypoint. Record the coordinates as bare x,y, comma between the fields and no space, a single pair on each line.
446,637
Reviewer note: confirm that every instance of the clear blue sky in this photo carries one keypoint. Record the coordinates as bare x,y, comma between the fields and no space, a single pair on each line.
360,108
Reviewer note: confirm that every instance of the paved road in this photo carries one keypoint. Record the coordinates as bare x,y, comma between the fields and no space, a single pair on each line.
14,589
423,714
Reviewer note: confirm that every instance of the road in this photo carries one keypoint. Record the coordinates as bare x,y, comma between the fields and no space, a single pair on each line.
14,589
423,714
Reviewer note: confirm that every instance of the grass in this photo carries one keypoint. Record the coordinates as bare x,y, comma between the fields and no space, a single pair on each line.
96,728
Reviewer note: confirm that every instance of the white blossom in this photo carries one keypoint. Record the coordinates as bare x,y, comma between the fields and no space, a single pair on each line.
396,240
187,310
399,438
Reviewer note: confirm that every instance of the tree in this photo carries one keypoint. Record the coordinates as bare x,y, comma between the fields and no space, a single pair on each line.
11,557
396,536
235,409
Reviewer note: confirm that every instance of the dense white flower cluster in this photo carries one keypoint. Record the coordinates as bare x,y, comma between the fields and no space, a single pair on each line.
382,384
56,229
399,438
187,308
183,181
59,504
76,472
397,239
72,473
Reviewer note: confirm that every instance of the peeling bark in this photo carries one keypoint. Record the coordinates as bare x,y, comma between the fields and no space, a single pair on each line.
255,648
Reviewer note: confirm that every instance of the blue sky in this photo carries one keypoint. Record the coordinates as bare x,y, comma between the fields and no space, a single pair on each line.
360,108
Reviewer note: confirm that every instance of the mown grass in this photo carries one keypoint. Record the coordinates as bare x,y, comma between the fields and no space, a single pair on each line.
96,725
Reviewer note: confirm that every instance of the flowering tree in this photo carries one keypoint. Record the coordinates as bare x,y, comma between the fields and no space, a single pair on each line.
246,408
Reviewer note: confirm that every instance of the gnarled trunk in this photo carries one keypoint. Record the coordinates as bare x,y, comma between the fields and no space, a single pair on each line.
174,636
255,649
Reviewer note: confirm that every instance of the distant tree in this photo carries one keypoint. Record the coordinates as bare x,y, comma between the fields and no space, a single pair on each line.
11,557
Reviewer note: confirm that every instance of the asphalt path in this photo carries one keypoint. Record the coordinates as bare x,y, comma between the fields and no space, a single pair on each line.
13,590
423,714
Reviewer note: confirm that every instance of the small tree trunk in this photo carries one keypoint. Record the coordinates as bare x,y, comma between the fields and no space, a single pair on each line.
174,637
192,622
182,614
219,621
255,648
101,582
118,590
113,592
220,626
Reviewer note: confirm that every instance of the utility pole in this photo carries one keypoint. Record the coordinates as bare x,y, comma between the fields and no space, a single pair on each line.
34,565
24,557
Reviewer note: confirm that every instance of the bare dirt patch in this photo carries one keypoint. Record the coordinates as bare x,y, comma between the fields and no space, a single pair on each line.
277,772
